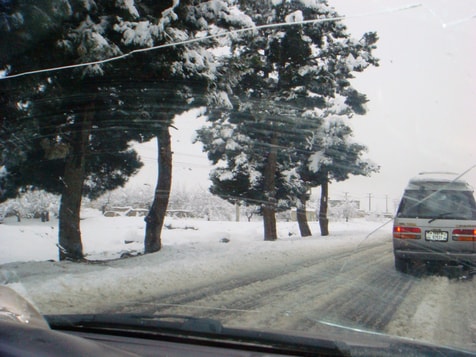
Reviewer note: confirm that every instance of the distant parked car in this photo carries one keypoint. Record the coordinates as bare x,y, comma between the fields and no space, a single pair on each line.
435,222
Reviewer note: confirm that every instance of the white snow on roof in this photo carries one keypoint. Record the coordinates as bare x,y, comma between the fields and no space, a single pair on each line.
438,180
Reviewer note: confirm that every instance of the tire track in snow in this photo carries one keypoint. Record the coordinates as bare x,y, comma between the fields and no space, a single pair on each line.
370,305
313,288
243,289
358,288
439,310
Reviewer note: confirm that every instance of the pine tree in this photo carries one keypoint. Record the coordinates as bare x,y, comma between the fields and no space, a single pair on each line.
179,77
76,143
280,74
332,155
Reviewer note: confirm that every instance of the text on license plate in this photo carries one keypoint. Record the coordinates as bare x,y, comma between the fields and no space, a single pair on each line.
438,236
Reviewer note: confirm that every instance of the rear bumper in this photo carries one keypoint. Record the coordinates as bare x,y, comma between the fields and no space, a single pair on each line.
440,256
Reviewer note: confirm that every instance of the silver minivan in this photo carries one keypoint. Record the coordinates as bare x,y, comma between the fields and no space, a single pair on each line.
435,223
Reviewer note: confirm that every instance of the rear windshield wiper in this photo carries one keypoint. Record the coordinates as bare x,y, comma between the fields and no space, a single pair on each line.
441,215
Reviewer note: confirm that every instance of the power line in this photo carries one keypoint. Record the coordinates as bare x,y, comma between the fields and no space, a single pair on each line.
4,76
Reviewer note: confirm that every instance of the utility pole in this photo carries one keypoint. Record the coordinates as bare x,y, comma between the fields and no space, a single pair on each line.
370,202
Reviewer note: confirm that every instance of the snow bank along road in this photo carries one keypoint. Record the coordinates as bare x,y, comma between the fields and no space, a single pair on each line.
357,288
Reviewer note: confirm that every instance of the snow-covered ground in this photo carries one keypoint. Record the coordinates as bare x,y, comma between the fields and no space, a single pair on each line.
194,252
228,266
106,238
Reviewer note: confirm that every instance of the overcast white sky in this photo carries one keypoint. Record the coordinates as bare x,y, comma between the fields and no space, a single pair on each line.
421,114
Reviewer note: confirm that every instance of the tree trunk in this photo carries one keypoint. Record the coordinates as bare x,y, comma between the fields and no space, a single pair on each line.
237,211
269,207
323,221
302,217
155,218
69,241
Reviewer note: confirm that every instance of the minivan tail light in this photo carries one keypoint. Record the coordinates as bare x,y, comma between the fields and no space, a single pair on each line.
402,232
464,235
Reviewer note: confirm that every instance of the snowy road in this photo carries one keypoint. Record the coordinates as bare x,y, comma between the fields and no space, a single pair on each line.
358,288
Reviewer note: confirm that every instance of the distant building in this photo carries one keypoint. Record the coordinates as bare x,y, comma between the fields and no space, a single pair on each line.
310,214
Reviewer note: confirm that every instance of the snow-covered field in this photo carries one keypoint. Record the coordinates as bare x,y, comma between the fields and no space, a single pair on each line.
106,238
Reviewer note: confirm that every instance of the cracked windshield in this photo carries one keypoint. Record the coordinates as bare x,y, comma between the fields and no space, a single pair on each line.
302,166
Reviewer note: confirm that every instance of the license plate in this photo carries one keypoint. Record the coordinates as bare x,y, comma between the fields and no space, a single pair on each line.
436,236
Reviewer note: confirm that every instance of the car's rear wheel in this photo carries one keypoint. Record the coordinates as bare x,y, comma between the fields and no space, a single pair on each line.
402,265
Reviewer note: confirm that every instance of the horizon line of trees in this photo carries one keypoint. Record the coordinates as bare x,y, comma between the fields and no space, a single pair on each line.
278,99
200,204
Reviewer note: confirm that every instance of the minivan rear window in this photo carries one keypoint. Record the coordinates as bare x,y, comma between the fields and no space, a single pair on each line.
447,204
